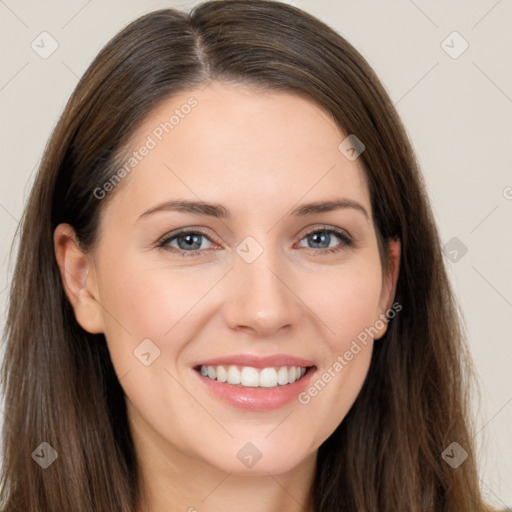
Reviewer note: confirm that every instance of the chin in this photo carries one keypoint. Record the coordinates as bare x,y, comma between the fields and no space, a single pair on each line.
252,459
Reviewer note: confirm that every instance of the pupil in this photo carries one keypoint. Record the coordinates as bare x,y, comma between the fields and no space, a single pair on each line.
190,240
317,237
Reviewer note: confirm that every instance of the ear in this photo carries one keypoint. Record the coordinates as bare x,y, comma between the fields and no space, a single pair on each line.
78,279
389,280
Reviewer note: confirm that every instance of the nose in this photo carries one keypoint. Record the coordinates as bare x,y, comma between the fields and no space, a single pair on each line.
261,297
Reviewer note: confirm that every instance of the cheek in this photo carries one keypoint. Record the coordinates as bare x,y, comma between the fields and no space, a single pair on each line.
346,300
151,298
141,303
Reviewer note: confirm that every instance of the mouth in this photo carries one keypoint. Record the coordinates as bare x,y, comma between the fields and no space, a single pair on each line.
255,383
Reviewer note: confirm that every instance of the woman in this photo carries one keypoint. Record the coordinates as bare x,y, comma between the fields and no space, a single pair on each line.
141,375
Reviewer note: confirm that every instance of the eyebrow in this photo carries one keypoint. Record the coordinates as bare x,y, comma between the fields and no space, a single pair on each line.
219,211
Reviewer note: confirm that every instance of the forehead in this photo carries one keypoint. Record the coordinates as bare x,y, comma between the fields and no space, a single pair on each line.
247,148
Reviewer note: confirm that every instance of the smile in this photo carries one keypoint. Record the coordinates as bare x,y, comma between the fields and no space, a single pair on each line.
248,376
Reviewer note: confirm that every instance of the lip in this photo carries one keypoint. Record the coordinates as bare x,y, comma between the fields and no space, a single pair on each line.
252,398
256,361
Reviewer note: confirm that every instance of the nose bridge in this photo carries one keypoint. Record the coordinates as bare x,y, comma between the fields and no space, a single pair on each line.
260,296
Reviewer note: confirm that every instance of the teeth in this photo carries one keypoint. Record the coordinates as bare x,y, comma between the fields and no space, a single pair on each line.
249,377
254,377
282,376
233,375
268,378
222,374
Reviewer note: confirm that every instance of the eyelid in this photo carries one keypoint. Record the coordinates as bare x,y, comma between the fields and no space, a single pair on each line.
324,227
184,231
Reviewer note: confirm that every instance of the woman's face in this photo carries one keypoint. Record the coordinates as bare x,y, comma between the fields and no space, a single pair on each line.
261,283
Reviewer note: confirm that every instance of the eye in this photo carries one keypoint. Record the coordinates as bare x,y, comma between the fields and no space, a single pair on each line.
189,242
324,238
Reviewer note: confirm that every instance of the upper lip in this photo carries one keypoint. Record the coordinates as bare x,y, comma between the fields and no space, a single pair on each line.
257,361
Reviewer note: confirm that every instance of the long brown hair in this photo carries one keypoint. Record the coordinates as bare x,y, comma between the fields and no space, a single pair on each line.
59,383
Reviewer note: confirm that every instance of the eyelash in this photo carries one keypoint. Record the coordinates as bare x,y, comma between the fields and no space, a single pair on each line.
346,241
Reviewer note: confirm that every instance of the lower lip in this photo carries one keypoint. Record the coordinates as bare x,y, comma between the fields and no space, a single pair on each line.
257,399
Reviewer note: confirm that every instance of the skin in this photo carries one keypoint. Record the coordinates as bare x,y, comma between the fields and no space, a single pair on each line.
259,155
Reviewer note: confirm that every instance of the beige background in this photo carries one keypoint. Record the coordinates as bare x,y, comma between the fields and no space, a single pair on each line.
456,110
